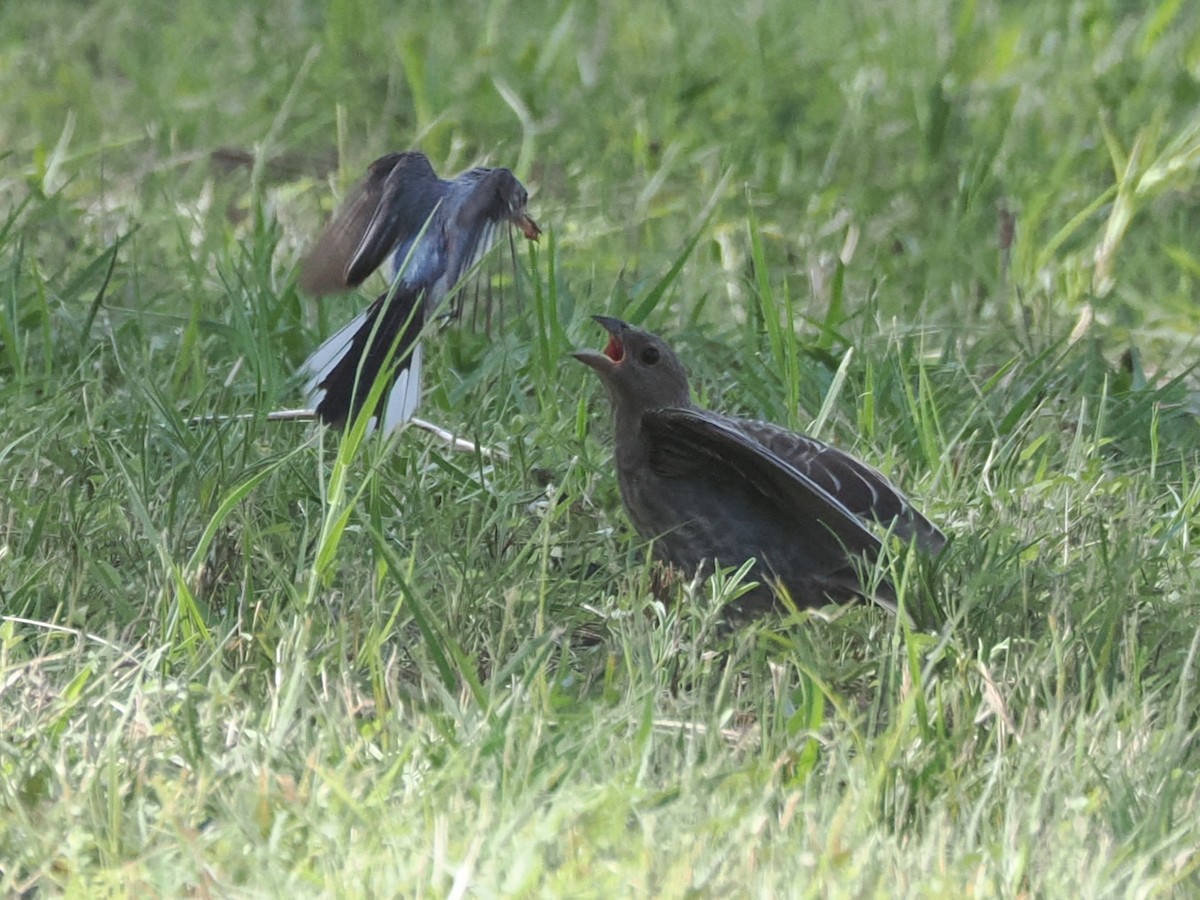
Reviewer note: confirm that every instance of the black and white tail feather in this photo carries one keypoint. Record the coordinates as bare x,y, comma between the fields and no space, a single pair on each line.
383,341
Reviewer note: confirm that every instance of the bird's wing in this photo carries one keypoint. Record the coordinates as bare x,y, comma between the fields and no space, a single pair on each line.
404,208
863,490
690,443
477,204
387,208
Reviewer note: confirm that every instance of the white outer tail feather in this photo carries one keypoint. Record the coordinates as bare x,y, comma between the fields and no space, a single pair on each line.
404,396
323,360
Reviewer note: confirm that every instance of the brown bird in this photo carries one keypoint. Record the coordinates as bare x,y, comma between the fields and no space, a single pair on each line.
433,231
705,487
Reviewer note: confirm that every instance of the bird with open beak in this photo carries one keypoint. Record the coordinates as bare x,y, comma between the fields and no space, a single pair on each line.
708,488
432,232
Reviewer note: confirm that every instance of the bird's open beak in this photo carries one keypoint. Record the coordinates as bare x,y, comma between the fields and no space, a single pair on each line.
528,227
613,354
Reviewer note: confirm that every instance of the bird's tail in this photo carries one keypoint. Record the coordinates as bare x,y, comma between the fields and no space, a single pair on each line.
383,341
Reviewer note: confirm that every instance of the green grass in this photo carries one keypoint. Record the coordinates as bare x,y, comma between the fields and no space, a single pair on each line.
255,659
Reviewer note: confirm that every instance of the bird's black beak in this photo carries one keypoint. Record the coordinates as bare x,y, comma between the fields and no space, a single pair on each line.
613,326
613,354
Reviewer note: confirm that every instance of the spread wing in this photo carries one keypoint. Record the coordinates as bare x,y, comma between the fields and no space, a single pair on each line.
863,490
694,443
386,209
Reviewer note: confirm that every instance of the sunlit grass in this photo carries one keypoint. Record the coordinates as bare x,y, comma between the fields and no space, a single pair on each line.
254,657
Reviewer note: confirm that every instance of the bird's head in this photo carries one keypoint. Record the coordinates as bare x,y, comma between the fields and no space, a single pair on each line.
508,202
639,371
515,198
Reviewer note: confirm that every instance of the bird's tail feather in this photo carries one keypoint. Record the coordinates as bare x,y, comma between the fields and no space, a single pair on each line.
381,342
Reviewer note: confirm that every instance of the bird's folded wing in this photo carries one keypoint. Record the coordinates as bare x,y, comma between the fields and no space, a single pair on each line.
691,443
863,490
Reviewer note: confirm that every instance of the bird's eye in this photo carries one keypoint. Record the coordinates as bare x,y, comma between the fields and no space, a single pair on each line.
650,356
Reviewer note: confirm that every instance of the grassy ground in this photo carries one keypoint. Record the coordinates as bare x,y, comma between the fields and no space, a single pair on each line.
253,659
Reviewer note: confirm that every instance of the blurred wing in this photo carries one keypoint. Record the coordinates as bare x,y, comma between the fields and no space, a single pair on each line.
690,443
403,209
324,269
375,217
863,490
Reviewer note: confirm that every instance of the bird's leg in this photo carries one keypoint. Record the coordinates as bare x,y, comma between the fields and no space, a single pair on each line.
450,316
453,311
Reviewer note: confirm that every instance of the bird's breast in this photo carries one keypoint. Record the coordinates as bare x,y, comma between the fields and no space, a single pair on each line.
419,263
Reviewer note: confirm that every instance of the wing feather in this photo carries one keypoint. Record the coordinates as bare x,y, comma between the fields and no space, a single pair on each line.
864,490
691,442
387,208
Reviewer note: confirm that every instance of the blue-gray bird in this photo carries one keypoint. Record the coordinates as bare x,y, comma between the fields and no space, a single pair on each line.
433,232
703,486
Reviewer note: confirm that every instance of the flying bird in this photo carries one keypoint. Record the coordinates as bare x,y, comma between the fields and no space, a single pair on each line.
707,487
431,232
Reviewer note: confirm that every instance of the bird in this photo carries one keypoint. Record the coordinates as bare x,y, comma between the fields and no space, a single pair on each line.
709,489
433,231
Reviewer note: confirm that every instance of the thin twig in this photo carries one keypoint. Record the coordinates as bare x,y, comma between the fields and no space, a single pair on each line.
451,440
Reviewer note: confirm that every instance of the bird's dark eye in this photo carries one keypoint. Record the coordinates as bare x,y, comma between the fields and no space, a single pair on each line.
650,356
